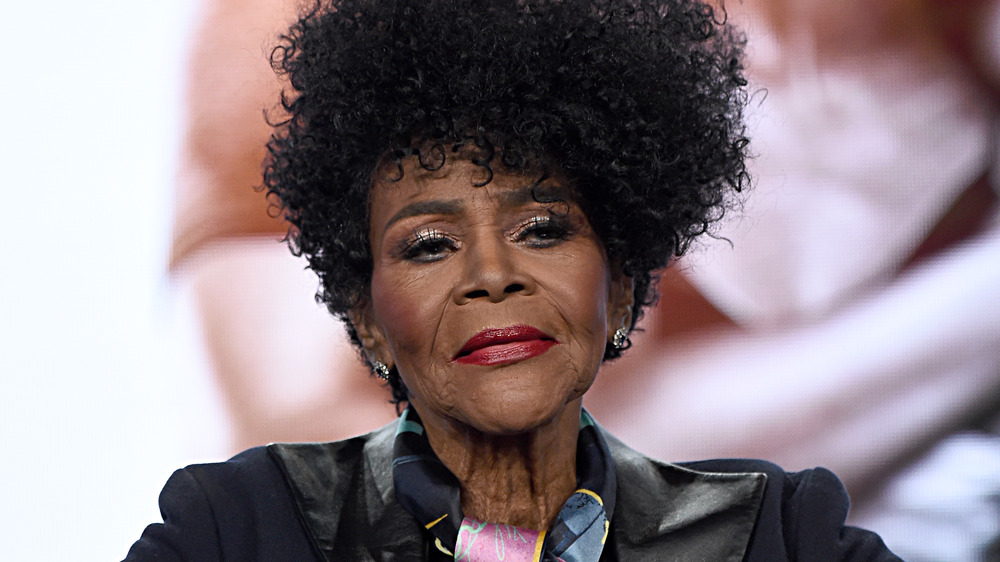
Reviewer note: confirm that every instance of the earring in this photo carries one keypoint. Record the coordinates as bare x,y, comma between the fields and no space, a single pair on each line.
381,369
620,338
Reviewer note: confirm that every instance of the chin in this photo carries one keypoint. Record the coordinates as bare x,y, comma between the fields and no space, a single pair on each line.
514,413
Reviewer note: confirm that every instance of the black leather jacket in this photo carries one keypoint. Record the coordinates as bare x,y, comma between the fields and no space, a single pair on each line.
334,502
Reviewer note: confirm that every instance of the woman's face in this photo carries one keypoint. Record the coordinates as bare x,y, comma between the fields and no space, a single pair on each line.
494,307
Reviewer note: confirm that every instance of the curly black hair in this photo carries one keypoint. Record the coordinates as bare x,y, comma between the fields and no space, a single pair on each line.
638,103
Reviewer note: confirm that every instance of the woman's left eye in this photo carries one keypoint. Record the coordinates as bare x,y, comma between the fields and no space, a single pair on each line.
542,231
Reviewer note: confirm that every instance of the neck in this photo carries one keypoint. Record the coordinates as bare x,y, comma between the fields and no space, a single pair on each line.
521,480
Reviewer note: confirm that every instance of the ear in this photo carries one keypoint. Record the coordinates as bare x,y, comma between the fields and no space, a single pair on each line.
621,299
372,336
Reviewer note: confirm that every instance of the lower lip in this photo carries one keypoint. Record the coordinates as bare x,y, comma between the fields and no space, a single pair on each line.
511,352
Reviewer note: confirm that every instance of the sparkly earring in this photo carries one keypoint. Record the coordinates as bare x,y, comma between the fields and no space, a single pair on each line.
620,338
381,369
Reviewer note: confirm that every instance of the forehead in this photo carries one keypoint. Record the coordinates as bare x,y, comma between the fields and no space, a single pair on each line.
460,180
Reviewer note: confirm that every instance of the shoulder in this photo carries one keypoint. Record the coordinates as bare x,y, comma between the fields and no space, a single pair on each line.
802,515
781,515
238,509
245,508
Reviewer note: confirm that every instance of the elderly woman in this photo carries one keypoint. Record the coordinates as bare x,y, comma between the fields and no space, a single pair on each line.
485,190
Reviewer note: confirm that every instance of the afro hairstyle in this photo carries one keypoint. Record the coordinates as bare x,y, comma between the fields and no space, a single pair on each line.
638,103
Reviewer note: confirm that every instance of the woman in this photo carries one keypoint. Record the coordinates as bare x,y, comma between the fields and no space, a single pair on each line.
484,190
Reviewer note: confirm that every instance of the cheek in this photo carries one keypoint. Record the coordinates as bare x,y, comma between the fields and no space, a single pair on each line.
408,311
581,297
587,291
394,312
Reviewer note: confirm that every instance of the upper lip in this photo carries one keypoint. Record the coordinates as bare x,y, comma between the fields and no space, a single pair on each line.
496,336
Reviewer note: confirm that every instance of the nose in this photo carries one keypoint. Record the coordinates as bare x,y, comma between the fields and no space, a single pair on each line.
493,269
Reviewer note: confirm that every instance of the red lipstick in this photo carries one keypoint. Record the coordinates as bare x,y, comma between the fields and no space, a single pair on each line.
495,346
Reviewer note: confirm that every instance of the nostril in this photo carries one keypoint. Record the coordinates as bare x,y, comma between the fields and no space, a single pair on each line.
514,288
476,294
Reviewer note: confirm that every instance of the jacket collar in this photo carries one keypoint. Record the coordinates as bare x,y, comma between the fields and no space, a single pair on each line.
343,492
664,511
669,512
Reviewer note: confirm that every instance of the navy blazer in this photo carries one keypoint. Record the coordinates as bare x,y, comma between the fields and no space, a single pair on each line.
334,502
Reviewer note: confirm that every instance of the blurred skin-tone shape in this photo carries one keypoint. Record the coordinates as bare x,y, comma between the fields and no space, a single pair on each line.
874,122
282,363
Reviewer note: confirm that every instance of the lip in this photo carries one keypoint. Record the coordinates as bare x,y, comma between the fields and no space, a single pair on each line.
504,345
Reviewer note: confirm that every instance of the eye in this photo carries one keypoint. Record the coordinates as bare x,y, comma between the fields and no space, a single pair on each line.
542,231
427,245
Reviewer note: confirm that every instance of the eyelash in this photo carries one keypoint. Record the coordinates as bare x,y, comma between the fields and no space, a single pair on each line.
430,245
548,231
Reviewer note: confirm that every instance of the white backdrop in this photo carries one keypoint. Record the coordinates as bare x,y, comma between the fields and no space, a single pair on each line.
91,97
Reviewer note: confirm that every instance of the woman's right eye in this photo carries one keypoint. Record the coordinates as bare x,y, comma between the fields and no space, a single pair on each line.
427,246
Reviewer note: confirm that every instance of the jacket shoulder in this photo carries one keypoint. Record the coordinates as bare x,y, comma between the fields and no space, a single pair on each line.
240,509
803,516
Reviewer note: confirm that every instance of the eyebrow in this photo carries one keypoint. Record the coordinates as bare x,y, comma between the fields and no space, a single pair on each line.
511,198
537,192
516,197
434,207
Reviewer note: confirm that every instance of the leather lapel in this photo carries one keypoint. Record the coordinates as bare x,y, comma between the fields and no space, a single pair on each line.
668,512
394,535
344,495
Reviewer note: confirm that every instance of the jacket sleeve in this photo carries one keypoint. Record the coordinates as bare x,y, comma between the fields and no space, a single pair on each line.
814,510
188,531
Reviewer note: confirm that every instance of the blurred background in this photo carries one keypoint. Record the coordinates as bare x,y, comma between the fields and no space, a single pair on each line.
848,316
